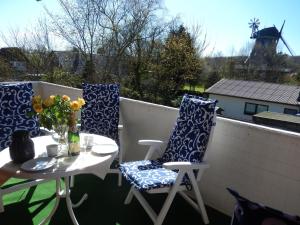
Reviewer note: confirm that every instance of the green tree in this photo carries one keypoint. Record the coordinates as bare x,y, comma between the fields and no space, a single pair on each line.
212,78
180,64
5,70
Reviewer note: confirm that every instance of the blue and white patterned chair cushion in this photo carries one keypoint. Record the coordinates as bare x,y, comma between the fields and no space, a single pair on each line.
15,104
187,143
148,174
100,114
190,136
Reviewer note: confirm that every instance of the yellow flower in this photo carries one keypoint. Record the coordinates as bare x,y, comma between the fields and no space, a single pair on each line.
49,102
75,105
38,108
66,98
36,99
81,101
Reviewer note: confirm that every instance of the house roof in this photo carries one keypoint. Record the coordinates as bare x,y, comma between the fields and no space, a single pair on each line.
271,92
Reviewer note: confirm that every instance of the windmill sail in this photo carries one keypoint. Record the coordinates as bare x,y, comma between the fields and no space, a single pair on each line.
287,46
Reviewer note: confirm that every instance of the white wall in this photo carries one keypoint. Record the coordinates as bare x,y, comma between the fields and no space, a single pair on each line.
261,163
47,89
234,107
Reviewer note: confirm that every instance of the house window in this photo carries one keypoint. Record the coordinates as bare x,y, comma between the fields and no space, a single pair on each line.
262,108
251,108
290,111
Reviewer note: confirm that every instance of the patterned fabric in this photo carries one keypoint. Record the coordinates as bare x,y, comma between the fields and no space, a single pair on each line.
191,132
100,114
148,174
250,213
187,143
15,104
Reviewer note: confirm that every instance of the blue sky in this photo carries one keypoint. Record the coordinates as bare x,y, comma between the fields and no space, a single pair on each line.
224,21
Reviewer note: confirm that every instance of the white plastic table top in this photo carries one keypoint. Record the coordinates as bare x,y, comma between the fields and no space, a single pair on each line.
85,162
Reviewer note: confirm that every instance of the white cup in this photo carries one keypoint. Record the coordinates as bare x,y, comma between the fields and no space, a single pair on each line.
52,150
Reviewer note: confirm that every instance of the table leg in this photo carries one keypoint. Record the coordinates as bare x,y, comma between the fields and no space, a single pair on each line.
69,202
64,194
58,195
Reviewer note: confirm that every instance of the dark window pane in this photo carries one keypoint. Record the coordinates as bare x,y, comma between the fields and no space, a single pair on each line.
250,108
290,111
262,108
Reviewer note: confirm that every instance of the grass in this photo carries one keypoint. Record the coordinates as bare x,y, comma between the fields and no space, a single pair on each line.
103,206
199,88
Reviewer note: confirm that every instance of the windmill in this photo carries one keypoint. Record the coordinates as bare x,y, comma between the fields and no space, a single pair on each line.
266,41
254,24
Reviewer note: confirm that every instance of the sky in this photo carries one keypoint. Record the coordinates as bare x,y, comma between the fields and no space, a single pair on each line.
224,21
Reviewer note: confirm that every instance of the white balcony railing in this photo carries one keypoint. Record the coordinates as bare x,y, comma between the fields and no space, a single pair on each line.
261,163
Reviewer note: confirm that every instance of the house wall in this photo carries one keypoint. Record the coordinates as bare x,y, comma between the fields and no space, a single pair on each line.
261,163
234,107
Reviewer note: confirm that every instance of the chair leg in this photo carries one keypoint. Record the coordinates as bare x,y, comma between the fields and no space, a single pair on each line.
151,213
198,197
169,200
72,181
129,196
120,179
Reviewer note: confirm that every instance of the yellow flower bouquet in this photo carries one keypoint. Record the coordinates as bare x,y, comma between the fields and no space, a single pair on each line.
59,113
56,110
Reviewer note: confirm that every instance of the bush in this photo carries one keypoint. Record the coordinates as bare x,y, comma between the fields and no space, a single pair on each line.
62,77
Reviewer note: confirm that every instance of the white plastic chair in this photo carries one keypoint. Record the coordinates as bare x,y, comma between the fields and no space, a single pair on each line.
182,164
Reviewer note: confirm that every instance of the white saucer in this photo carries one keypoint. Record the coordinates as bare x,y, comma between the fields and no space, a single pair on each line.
104,149
38,164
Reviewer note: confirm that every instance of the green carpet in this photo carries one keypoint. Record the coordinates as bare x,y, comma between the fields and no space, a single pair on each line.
103,206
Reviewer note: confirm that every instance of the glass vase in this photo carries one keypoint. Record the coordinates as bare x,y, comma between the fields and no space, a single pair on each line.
60,135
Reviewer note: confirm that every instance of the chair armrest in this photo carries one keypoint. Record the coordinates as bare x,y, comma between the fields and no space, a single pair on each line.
156,143
185,166
154,146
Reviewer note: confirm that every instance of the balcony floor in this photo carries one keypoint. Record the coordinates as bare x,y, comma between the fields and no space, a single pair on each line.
103,206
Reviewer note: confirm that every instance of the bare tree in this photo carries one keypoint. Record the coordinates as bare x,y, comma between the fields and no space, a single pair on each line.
78,25
199,38
109,26
36,44
14,37
246,49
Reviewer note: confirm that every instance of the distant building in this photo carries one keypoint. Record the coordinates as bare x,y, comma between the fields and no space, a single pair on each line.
70,61
242,99
15,57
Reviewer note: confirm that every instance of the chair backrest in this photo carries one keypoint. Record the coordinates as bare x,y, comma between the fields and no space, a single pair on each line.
100,114
190,136
15,104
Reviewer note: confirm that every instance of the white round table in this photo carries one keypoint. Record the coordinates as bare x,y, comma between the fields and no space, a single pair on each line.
64,167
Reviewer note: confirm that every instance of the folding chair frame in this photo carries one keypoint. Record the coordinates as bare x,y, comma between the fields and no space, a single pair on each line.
184,168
